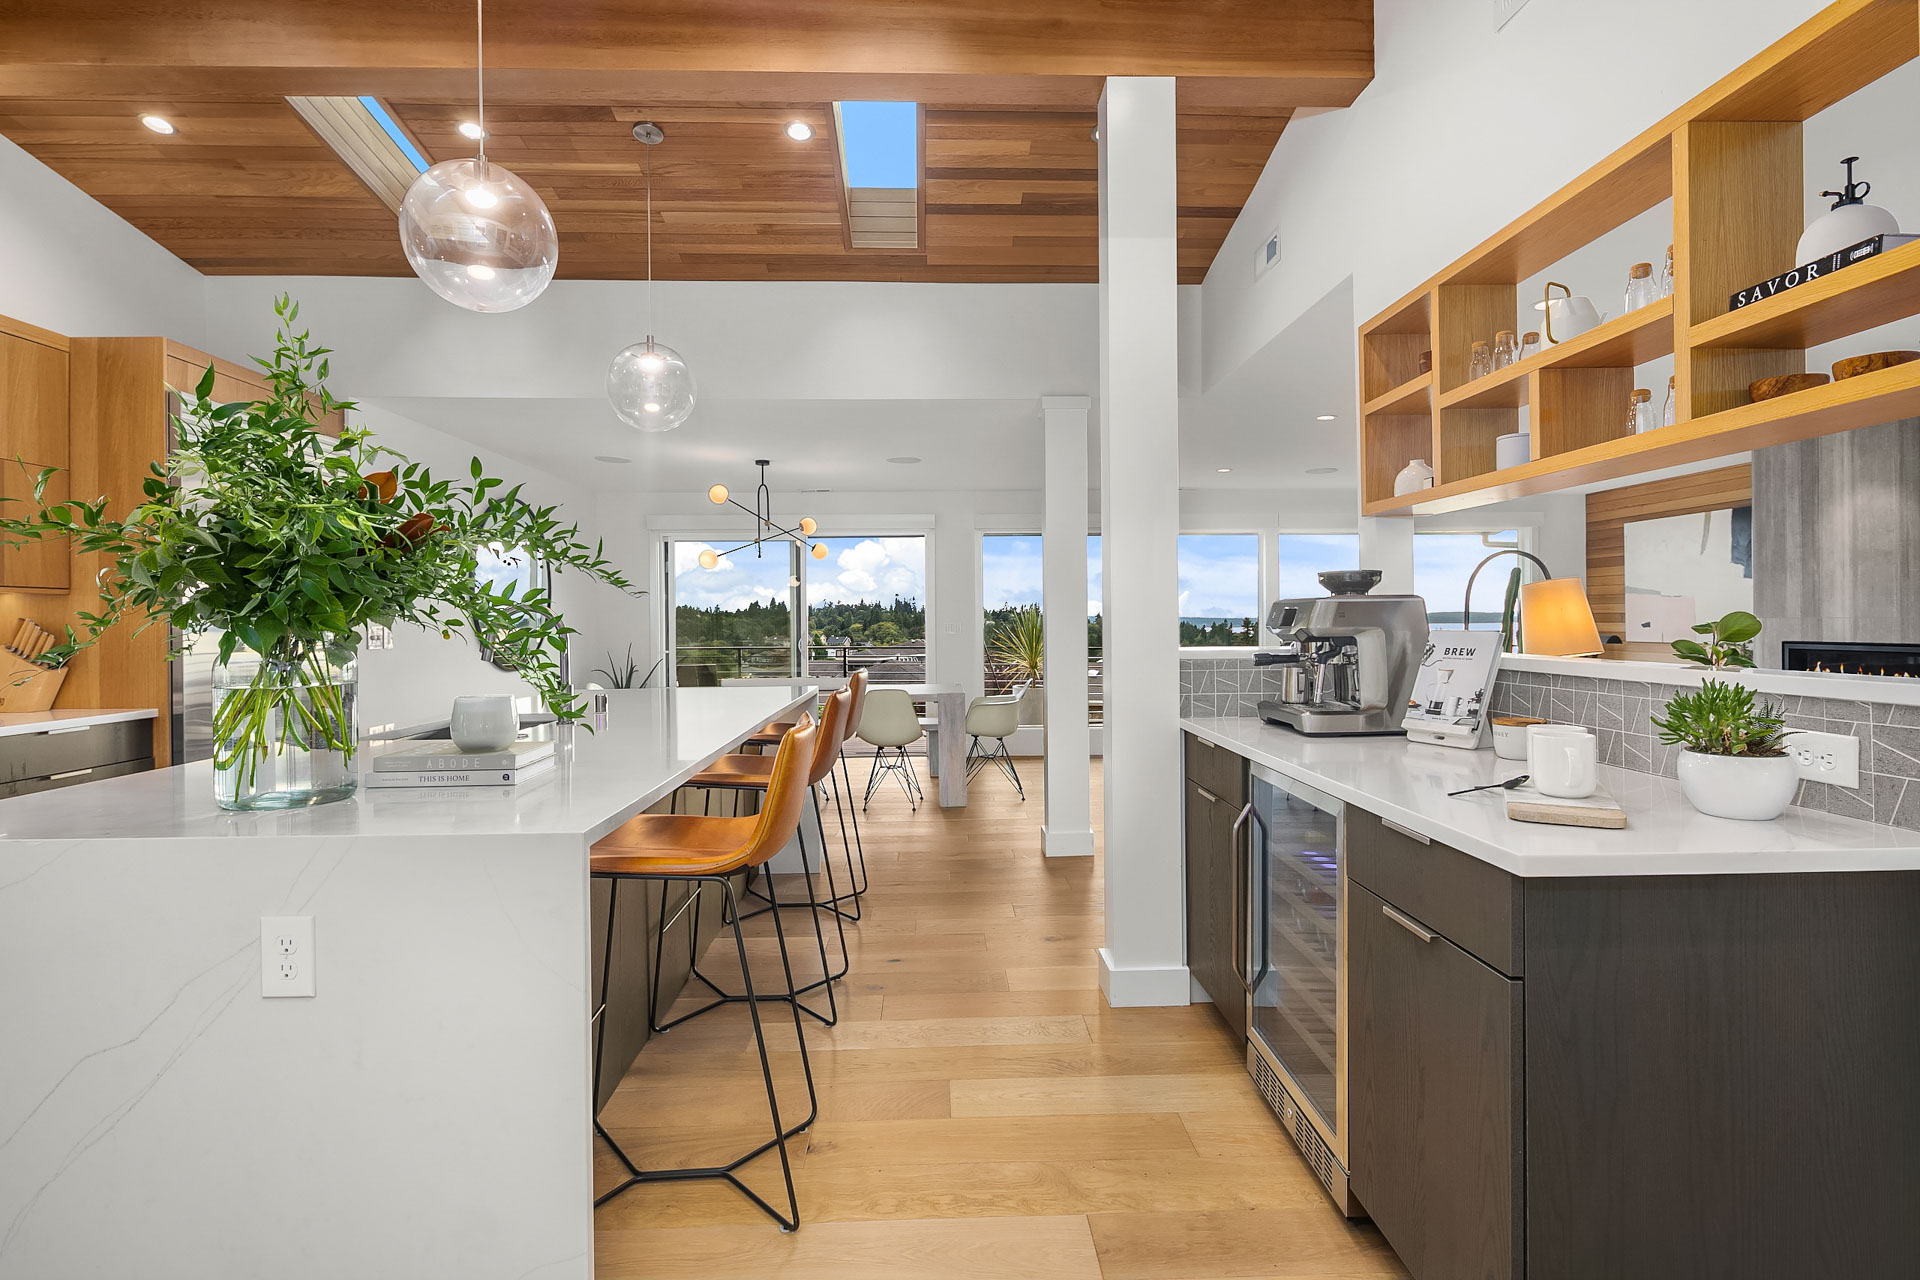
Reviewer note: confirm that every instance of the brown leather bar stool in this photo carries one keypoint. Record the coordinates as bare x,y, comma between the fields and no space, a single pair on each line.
699,851
855,849
752,773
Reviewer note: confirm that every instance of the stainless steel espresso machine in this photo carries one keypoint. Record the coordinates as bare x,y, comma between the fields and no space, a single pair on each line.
1348,660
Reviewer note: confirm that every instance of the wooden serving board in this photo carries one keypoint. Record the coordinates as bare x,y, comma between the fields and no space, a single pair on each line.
1524,804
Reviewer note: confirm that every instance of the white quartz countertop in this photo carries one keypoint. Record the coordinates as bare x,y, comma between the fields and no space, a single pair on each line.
651,742
14,722
1408,782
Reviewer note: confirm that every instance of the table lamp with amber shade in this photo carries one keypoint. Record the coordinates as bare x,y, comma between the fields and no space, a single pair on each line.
1556,620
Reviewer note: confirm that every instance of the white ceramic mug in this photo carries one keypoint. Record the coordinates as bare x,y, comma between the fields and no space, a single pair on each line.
484,723
1562,760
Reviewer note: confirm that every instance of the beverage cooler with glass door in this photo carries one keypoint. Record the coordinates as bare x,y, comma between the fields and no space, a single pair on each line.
1296,963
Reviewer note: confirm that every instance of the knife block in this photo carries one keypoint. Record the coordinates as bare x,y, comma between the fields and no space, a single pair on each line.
27,686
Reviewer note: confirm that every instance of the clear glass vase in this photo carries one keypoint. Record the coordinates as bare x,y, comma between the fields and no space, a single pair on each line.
284,732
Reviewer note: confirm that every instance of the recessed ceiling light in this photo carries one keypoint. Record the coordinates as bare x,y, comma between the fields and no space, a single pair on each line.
1321,471
616,459
903,461
471,130
799,130
1223,470
1325,417
157,124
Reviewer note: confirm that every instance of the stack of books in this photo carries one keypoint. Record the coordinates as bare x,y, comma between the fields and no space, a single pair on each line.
444,764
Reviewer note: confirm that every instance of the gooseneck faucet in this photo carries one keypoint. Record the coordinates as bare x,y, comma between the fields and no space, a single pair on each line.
1466,605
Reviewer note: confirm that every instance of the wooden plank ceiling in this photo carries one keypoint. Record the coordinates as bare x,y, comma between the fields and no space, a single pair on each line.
1010,166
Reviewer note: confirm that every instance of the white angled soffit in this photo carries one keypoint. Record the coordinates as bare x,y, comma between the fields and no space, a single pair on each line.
349,126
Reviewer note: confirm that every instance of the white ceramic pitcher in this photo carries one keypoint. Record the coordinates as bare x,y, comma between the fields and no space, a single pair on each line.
1567,317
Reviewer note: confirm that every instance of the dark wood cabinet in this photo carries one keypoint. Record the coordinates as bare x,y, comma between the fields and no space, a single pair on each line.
1435,1092
1216,788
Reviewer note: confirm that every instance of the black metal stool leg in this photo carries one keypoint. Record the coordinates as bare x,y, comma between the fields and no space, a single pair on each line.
729,1172
852,808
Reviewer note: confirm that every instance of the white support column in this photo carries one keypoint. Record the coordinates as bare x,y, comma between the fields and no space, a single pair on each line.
1067,830
1144,961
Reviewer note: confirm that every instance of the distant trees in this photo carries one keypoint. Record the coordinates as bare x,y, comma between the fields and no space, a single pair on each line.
1201,632
868,622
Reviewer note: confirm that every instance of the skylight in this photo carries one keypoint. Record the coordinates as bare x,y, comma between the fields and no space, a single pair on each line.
880,141
395,132
880,162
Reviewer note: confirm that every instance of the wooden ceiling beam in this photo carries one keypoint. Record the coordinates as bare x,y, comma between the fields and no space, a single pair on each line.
1329,42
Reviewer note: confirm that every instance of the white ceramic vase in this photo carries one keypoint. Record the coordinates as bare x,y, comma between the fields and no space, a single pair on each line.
1750,788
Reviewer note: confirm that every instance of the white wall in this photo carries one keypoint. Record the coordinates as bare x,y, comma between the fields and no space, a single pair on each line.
415,682
1461,131
69,264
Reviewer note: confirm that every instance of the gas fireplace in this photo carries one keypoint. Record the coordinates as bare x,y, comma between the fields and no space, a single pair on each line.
1850,658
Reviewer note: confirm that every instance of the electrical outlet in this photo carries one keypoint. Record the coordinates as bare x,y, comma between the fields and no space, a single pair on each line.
286,956
1833,758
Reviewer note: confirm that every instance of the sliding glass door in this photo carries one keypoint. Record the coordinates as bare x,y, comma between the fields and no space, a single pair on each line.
736,617
867,608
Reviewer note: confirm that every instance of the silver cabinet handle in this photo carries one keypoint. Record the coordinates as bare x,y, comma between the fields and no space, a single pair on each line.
1242,914
1408,923
1212,799
71,773
78,728
1408,832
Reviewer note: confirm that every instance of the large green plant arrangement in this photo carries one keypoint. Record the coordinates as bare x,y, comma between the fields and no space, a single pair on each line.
291,542
1721,719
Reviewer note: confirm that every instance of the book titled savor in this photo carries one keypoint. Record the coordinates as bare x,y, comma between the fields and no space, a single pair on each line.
444,764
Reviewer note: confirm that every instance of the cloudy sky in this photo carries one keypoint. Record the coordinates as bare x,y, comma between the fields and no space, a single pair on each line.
1010,571
876,569
736,582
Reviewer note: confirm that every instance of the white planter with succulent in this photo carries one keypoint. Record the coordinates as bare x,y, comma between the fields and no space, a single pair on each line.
1735,763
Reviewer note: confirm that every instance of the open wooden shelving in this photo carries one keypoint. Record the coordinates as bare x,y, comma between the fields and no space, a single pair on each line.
1865,401
1623,342
1852,300
1730,160
1411,396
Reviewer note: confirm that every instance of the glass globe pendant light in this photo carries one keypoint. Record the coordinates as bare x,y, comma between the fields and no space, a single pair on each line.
476,233
648,384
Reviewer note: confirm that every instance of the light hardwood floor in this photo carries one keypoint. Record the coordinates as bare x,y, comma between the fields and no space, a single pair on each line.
983,1114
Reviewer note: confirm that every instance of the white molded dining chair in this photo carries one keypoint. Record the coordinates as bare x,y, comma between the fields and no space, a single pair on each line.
997,718
890,725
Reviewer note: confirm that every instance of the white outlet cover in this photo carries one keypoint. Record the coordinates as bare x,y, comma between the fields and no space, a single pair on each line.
1832,758
286,956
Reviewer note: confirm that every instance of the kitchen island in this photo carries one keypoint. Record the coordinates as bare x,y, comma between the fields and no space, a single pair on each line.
1681,1049
426,1112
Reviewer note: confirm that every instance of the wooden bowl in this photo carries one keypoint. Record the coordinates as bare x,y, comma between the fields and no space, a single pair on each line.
1854,366
1786,384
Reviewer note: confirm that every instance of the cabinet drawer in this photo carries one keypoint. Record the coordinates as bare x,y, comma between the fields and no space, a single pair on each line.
1477,906
1220,771
27,786
1436,1134
41,755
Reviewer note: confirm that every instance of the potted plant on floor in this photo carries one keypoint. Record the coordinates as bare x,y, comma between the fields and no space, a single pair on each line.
289,543
1734,762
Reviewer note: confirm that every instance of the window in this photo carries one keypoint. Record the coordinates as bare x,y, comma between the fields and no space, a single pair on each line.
1010,598
1303,557
735,619
867,607
1219,588
880,162
1442,562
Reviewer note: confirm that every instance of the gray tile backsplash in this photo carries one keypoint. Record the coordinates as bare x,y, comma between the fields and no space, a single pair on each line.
1229,685
1619,712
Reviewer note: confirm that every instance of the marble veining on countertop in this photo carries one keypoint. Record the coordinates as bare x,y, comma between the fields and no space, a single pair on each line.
1408,782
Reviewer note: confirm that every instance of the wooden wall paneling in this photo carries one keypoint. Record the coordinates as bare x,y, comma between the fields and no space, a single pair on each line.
119,427
1609,513
1573,408
1738,214
186,366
